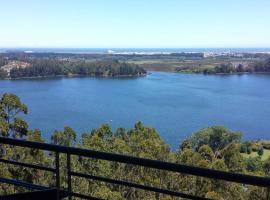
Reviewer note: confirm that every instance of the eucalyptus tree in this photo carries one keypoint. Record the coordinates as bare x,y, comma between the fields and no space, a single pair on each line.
11,124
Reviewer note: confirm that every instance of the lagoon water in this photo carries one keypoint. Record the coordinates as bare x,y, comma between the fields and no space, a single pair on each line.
175,104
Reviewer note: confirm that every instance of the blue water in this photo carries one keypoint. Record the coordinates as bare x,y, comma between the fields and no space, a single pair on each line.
176,104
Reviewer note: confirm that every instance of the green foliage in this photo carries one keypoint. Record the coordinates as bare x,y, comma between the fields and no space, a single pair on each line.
4,127
3,74
253,165
266,167
2,61
19,127
146,142
247,147
187,156
224,68
52,67
206,152
260,152
64,138
266,146
261,66
12,105
217,137
249,151
186,144
35,136
232,158
213,195
243,148
257,193
219,164
10,122
140,141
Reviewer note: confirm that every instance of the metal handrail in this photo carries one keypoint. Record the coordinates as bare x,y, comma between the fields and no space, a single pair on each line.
154,164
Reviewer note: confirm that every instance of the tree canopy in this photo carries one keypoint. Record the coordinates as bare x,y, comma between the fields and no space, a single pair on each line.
42,67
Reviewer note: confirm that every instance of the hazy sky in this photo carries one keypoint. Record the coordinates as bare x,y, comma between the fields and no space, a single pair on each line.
134,23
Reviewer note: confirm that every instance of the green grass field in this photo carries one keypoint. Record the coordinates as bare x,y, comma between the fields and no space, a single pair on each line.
266,154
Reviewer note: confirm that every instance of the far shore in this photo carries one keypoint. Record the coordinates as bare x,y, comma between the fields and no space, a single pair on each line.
132,76
76,75
233,73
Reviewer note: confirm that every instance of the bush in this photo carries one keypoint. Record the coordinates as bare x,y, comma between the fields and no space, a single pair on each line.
243,148
253,164
266,146
255,147
260,152
247,147
249,150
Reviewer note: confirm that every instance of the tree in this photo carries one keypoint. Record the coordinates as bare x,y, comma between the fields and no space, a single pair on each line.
203,185
213,195
217,137
243,148
224,68
240,68
3,61
4,127
232,158
186,144
32,156
206,152
260,152
246,147
253,165
10,124
266,167
64,138
52,67
19,127
146,142
3,73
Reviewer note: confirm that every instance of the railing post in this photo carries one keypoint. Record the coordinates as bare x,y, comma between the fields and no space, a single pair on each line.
268,193
69,176
57,168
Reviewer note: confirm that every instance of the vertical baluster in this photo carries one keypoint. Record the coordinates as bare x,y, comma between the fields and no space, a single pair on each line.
268,193
57,167
69,176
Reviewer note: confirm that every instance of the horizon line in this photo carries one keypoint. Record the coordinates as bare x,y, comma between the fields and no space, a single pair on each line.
44,47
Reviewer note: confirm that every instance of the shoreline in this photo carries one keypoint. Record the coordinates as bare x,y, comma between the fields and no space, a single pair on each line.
132,76
234,73
76,75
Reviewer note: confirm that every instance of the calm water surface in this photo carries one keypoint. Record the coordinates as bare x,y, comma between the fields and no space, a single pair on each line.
176,104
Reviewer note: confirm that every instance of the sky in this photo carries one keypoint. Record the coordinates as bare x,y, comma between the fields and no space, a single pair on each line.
135,23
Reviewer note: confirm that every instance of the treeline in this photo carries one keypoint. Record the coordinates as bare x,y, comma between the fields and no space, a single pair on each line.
228,68
3,61
263,66
214,147
3,74
107,68
52,67
39,67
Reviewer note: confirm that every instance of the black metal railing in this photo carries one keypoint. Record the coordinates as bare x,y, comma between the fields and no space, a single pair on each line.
154,164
